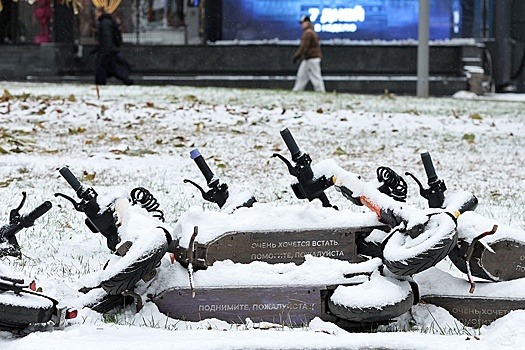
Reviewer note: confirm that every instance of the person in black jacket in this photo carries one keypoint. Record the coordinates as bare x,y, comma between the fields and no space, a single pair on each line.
109,61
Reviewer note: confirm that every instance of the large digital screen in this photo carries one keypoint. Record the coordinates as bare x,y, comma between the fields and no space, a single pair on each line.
337,19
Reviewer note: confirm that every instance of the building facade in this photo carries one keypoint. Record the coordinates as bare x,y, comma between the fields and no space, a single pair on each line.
497,25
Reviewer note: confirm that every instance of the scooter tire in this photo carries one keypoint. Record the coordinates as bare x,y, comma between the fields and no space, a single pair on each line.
370,315
128,278
19,316
423,260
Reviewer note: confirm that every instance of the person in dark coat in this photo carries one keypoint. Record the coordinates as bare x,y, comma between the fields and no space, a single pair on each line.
109,60
309,53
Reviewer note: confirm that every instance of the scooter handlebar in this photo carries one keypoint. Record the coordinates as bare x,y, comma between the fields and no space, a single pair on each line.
70,178
29,219
290,143
429,167
203,166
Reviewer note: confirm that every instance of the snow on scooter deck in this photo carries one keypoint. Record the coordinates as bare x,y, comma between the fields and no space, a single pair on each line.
503,260
271,234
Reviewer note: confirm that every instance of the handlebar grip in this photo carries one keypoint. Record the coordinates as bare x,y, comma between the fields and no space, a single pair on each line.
429,167
290,143
30,218
201,163
70,178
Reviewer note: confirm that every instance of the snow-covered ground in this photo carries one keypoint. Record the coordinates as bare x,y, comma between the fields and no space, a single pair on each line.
142,136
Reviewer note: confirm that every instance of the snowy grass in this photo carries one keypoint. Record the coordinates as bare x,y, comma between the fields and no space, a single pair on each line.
142,136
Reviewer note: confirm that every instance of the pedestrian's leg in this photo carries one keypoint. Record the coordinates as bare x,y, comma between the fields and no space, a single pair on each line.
314,70
101,67
120,72
302,77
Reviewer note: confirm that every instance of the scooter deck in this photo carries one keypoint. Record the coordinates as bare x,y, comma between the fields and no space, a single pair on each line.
278,246
507,262
475,311
288,306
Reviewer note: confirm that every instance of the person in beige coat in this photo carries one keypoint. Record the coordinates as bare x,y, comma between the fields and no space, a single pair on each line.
309,53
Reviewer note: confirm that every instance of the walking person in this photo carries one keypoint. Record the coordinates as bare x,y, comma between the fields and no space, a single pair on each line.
310,55
107,50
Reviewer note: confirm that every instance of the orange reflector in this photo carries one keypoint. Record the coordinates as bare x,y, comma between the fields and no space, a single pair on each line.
370,205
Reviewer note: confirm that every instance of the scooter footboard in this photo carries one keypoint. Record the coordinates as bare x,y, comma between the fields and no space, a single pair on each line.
292,306
288,306
278,246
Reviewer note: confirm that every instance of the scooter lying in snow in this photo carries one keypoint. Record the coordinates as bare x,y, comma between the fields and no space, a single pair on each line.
22,309
135,234
322,272
485,248
480,247
416,240
317,237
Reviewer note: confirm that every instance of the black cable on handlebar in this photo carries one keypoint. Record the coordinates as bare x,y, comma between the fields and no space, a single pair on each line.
146,200
393,184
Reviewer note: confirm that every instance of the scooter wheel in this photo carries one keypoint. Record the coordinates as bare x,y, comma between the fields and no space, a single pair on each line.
406,256
127,278
373,310
19,311
110,302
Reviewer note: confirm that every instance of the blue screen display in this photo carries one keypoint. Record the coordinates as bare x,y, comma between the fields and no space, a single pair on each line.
350,19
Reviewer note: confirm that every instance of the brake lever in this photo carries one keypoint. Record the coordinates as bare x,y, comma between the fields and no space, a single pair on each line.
14,214
291,169
76,205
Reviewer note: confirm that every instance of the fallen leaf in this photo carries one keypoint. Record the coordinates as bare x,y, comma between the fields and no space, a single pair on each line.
469,138
339,151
